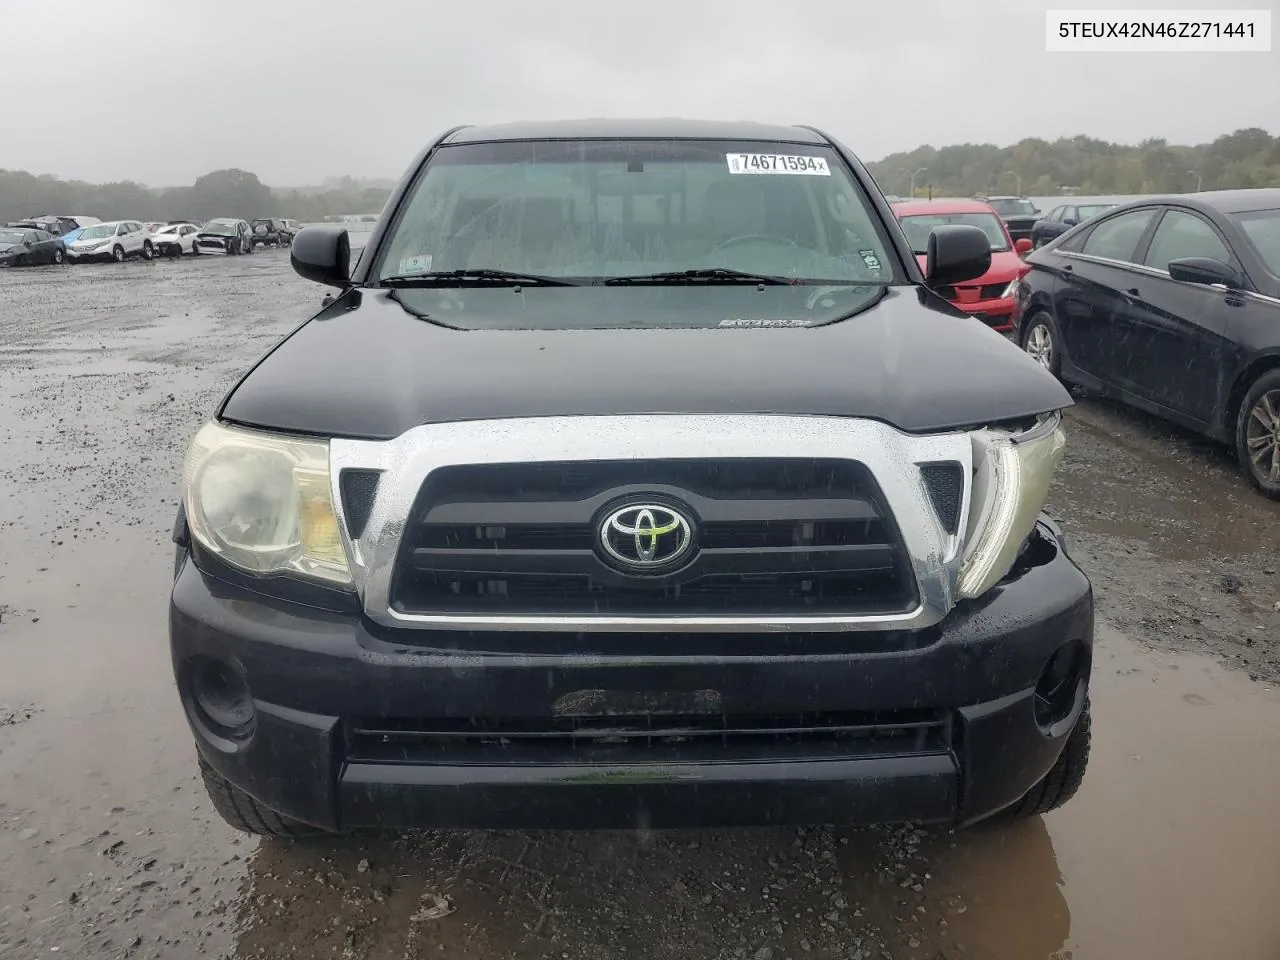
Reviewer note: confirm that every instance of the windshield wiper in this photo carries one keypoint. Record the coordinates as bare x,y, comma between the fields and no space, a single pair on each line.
709,275
480,277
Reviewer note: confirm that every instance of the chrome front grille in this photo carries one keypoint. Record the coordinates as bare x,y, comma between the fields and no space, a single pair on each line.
803,524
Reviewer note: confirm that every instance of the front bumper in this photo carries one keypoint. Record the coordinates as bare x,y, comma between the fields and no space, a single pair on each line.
102,253
996,313
320,680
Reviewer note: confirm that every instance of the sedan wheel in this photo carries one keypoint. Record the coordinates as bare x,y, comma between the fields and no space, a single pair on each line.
1039,343
1258,434
58,256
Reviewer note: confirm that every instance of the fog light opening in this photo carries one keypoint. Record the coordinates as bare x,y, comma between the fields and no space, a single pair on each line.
222,698
1058,688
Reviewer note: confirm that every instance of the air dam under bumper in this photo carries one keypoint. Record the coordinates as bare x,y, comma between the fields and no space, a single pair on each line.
332,693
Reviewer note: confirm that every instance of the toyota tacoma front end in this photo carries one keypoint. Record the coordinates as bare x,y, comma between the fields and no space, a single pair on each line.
632,478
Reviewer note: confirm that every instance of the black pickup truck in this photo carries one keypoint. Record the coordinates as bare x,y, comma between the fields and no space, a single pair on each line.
633,476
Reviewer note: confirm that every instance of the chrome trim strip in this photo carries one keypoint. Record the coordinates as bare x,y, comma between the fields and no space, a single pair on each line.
1162,274
893,457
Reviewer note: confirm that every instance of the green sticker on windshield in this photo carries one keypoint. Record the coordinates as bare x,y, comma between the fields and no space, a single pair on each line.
419,263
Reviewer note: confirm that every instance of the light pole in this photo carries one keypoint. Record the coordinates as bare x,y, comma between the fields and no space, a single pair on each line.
1017,177
1199,179
913,181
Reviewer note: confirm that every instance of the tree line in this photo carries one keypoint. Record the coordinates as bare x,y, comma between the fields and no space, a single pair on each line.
1081,165
222,193
1084,166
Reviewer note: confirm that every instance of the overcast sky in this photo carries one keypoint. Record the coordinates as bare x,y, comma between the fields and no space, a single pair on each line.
161,91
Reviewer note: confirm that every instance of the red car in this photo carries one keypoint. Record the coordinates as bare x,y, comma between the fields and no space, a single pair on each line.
989,297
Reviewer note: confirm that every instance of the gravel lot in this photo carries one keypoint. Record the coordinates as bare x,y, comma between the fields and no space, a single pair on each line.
108,847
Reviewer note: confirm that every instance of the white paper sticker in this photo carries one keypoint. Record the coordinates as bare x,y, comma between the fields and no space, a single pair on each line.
420,263
777,163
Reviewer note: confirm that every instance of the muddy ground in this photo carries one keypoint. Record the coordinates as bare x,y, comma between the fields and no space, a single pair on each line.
109,848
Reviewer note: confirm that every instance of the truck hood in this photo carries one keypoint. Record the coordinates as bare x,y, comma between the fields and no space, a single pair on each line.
366,367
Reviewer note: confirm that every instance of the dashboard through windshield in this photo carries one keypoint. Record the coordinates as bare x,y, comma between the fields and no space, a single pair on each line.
595,210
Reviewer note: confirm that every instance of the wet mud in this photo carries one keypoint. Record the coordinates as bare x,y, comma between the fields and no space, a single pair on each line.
108,846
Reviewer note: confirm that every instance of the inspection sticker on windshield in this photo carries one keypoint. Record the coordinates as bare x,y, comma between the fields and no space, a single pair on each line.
777,163
416,264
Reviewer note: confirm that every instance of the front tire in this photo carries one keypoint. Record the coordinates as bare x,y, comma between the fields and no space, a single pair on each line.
1258,434
1040,340
148,251
117,253
244,813
1064,778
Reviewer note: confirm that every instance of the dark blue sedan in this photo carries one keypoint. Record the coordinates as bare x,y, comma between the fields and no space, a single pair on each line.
1062,218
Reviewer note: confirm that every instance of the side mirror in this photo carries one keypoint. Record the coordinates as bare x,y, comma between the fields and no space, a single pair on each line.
1204,270
1023,246
322,254
956,253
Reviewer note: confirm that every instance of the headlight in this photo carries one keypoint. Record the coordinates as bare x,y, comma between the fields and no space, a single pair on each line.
1011,290
262,503
1012,473
96,244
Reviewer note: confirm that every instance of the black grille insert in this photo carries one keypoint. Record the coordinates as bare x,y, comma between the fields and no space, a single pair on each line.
636,737
773,536
945,482
358,488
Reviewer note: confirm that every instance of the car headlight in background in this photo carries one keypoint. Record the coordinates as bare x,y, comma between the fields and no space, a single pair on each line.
1012,474
263,503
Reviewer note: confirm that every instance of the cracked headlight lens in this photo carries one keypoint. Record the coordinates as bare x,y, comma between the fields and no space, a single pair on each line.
1012,475
263,504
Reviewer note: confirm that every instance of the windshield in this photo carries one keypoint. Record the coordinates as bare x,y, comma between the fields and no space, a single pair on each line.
99,231
603,209
918,227
1013,207
11,236
220,228
1262,227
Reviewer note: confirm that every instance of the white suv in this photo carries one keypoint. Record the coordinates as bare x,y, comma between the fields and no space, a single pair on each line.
175,239
114,240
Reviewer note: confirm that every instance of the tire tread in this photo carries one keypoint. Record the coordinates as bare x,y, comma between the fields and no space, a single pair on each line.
244,813
1063,780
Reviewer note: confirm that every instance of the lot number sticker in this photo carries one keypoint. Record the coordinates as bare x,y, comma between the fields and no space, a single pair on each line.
777,163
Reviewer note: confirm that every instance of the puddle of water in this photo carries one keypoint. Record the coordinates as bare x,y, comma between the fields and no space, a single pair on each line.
1169,850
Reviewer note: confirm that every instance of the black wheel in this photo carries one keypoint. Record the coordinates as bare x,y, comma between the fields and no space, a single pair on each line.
1040,341
58,257
1063,780
117,253
1258,434
245,813
148,251
195,249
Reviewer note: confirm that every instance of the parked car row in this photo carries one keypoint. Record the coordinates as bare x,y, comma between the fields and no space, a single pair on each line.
1170,305
55,240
